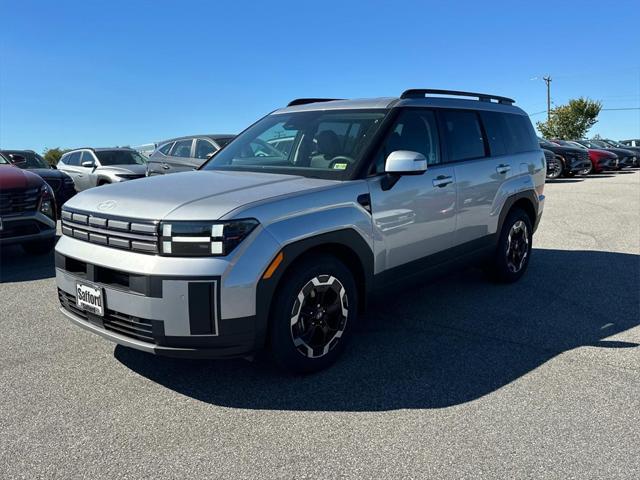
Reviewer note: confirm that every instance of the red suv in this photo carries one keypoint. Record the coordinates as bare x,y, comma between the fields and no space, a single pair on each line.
27,210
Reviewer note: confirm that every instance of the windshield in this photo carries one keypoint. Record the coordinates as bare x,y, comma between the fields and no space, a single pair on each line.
599,143
119,157
614,143
577,145
545,143
32,159
325,144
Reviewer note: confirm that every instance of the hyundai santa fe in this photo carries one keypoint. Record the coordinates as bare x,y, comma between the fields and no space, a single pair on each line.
282,248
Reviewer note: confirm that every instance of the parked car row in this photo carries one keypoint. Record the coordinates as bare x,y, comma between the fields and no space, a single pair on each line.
583,157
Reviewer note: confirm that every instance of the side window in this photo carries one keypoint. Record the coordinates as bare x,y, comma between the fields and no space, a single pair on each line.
182,148
463,135
494,127
414,130
520,136
204,148
87,157
165,148
73,159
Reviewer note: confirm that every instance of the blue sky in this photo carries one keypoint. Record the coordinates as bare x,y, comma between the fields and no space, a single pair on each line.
129,72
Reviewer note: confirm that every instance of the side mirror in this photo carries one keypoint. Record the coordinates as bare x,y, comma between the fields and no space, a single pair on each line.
402,162
88,164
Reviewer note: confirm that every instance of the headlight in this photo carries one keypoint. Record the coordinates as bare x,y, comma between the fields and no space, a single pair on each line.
47,205
203,239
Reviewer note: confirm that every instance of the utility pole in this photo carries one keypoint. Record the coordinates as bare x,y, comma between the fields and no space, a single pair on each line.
547,80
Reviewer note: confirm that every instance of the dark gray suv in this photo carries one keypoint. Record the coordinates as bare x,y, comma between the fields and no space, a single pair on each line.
185,153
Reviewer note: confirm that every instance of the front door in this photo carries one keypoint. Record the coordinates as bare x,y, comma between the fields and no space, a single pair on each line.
416,217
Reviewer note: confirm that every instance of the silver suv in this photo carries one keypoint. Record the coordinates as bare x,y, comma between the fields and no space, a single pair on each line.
283,248
91,167
185,153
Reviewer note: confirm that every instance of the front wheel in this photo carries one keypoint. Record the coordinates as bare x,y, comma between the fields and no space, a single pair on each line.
555,168
513,252
316,307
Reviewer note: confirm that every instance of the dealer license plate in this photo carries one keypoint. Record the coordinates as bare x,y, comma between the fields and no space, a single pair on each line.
90,298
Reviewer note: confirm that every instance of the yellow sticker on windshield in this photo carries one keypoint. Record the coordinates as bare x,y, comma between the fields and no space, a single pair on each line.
339,166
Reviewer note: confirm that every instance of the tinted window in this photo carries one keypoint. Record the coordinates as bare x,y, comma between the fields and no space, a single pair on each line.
182,148
520,136
165,148
87,157
204,148
414,130
463,135
495,130
72,159
120,157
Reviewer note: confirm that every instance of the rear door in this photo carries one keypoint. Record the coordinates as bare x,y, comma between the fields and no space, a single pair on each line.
481,164
416,217
157,164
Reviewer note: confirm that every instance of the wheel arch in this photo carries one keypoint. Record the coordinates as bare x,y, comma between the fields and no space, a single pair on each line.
347,245
526,201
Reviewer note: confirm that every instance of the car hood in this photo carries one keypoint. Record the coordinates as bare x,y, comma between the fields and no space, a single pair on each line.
135,169
197,195
621,152
602,153
13,178
48,172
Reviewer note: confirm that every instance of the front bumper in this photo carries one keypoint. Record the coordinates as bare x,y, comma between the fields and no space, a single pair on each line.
186,307
33,226
578,165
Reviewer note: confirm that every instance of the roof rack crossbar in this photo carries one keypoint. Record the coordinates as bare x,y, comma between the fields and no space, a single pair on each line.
483,97
304,101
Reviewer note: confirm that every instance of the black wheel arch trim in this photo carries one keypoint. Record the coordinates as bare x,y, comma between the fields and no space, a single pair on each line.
347,238
529,195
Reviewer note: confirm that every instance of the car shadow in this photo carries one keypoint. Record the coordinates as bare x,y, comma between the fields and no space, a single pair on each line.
442,344
16,265
565,180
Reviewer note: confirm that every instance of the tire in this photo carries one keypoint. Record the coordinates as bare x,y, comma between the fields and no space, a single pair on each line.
103,182
557,169
509,264
587,170
39,247
321,330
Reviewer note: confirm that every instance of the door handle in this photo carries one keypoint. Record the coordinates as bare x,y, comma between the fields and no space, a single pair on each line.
503,168
165,166
442,181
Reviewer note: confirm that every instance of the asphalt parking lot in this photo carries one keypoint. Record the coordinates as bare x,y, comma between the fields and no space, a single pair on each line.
456,379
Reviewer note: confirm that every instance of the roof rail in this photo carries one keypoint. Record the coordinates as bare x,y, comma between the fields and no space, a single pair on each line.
483,97
304,101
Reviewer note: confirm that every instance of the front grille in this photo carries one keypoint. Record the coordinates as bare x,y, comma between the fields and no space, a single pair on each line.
15,202
139,236
54,183
127,325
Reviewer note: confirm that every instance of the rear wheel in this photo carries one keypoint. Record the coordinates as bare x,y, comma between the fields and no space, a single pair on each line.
39,247
513,253
316,307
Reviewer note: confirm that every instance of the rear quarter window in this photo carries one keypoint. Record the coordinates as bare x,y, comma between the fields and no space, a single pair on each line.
519,133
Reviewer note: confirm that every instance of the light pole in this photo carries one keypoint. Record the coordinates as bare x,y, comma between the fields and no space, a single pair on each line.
547,80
